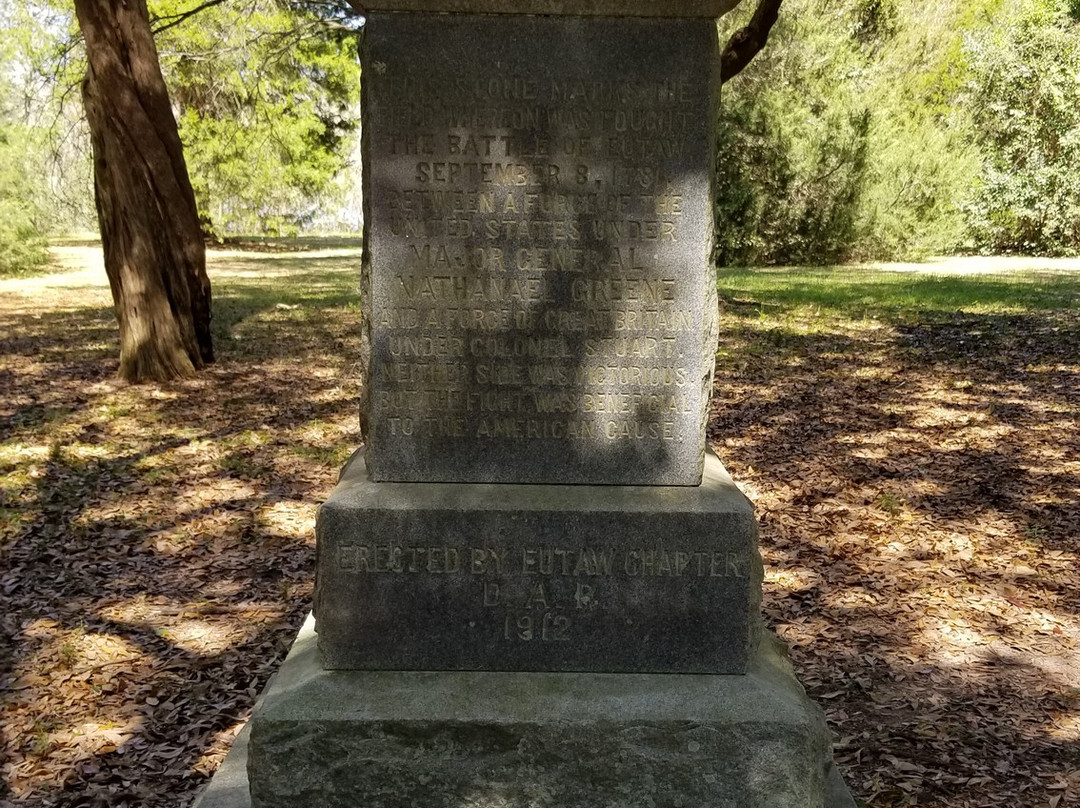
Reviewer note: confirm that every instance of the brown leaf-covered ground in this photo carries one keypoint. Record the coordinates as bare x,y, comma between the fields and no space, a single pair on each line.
912,444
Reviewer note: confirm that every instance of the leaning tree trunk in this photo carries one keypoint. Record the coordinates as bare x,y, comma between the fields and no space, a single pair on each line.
154,253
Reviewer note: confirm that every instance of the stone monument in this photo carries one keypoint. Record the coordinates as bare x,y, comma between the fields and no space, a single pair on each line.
535,585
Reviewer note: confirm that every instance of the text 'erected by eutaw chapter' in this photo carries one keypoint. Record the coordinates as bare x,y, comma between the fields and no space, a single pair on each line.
540,593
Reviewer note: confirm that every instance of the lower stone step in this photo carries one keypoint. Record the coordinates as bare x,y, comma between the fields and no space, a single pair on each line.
386,739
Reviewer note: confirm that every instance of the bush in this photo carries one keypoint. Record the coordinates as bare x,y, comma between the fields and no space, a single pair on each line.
1025,98
842,141
22,244
792,151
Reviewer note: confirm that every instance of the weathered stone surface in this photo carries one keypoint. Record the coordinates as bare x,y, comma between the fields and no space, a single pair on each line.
382,739
229,786
573,8
539,307
549,578
538,297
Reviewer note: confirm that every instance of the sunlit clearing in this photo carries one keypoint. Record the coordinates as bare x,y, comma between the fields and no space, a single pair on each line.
88,451
331,394
95,648
193,633
865,451
223,590
874,372
895,550
15,453
316,431
92,738
218,262
1066,727
851,597
1053,368
792,580
40,628
213,492
66,650
194,503
290,518
949,636
200,637
923,488
956,546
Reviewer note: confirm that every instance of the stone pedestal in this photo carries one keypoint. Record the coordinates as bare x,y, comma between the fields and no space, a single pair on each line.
453,576
413,735
534,738
380,739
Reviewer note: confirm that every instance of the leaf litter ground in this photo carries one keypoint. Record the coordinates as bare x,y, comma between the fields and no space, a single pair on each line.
911,444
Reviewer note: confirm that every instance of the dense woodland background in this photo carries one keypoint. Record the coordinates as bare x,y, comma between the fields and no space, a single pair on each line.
867,129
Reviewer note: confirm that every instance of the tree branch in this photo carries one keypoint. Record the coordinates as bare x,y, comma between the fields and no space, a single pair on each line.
748,41
176,19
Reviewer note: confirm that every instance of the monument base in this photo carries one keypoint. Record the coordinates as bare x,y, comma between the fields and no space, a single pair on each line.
346,739
555,578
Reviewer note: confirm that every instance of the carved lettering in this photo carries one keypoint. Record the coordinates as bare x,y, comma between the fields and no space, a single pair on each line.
539,563
534,228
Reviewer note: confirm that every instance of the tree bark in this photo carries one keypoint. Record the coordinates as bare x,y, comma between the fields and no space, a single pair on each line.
154,252
748,41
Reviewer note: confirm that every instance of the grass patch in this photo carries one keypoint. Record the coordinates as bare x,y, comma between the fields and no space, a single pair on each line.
331,457
294,244
862,292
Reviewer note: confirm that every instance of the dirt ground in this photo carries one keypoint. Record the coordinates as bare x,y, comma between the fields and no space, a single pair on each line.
916,474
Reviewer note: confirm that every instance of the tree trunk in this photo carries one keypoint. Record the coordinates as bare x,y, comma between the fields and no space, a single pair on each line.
747,42
154,253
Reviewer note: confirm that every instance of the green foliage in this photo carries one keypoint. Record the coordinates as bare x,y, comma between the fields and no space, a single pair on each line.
860,291
265,93
898,128
39,40
830,144
1025,99
266,96
846,138
789,184
875,20
792,154
919,165
22,244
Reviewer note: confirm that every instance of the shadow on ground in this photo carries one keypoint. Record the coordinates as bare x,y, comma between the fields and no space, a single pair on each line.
156,544
915,472
917,476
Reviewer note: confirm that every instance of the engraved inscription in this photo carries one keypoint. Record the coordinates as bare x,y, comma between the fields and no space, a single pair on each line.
541,251
538,590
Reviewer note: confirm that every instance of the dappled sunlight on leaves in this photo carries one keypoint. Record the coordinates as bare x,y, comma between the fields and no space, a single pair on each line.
917,478
916,475
156,542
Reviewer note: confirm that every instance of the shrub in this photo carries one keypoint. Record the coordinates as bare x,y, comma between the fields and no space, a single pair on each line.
22,244
1025,99
792,149
842,140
